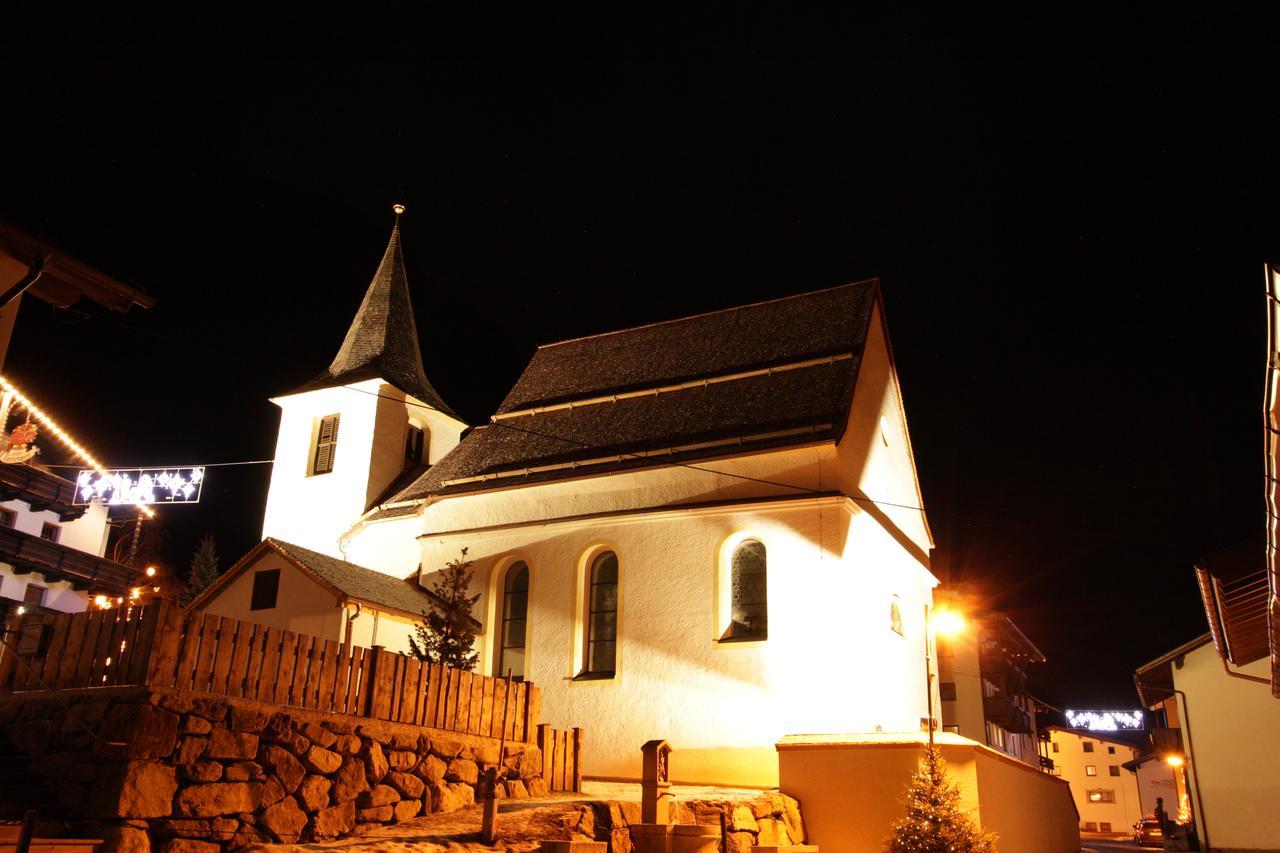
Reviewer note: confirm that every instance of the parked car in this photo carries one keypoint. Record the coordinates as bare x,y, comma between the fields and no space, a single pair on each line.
1148,831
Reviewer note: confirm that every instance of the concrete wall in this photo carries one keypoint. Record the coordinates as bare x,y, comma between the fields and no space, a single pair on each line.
1232,724
852,788
1070,762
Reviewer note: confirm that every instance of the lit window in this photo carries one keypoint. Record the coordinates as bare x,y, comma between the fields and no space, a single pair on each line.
326,444
266,587
34,596
8,518
602,618
50,532
1102,795
515,611
749,593
1113,770
1090,770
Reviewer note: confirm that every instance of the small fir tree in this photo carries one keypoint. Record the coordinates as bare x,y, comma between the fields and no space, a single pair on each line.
447,634
934,822
204,569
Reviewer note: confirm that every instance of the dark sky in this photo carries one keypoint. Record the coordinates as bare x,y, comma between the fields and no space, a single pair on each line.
1069,218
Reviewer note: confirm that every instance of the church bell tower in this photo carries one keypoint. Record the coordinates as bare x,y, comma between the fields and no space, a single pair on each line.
364,428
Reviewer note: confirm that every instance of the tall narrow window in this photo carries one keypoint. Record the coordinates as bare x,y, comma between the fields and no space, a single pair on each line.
34,595
414,442
326,444
515,614
602,620
266,587
749,605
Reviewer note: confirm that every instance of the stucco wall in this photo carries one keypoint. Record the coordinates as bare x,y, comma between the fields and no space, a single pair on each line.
1155,780
1235,752
379,628
1031,812
301,604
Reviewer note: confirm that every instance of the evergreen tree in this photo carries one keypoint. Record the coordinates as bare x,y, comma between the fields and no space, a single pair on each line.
447,634
934,822
204,568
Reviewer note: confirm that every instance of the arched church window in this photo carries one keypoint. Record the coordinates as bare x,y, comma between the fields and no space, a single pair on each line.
602,620
749,593
515,615
415,443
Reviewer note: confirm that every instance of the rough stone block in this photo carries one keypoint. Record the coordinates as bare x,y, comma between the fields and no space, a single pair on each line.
335,820
741,819
791,816
375,732
297,744
350,781
377,814
226,744
401,760
409,786
284,820
287,768
246,835
321,760
449,748
279,725
179,702
252,720
375,761
516,789
218,827
244,771
272,792
191,749
145,789
219,798
773,831
407,809
741,842
347,745
190,845
314,792
124,839
432,769
537,787
462,770
381,795
319,735
202,771
213,710
137,731
193,725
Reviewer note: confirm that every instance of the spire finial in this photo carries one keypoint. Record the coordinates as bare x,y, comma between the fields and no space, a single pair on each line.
397,209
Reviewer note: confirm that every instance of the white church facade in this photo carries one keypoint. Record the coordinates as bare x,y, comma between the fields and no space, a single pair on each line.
707,530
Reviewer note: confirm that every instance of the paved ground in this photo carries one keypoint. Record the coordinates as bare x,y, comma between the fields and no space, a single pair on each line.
1106,846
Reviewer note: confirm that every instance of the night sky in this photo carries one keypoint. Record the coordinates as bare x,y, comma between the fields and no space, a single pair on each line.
1069,218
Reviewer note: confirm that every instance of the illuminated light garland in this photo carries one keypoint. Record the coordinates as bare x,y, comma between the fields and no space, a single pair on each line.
51,425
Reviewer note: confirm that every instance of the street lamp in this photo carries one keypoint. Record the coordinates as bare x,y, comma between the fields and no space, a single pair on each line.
943,622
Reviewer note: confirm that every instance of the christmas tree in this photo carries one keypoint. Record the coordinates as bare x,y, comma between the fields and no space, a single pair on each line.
934,822
447,634
204,569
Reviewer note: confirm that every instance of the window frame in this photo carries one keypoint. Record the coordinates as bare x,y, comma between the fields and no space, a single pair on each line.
1113,770
500,620
26,595
731,634
319,444
723,569
254,604
1091,770
46,528
1105,796
579,662
8,517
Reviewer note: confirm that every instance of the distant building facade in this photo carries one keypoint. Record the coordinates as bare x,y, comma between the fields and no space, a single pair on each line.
1105,791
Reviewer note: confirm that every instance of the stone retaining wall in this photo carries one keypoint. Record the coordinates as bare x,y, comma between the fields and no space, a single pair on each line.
192,772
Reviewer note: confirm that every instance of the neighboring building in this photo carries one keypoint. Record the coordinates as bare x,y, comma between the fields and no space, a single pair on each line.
1219,719
707,530
296,589
52,552
982,679
1106,793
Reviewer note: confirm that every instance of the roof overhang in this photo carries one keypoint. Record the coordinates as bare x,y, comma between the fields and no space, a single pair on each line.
64,280
1154,679
1271,415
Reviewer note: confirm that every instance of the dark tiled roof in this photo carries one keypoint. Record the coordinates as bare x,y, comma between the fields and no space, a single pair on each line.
382,342
793,329
827,328
358,582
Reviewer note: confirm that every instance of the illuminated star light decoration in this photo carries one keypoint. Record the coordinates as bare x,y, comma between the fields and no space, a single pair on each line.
1105,721
140,486
62,435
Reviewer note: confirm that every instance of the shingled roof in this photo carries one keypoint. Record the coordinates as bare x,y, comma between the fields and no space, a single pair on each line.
763,375
382,342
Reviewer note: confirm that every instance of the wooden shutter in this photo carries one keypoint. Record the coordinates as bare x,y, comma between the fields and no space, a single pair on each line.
326,442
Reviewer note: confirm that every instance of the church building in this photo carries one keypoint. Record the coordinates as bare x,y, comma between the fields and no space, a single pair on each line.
707,530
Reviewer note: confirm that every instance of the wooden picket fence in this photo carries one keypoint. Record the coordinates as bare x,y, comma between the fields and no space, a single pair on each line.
157,645
561,757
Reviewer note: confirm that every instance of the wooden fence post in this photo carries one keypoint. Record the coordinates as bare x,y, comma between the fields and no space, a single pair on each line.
544,730
577,759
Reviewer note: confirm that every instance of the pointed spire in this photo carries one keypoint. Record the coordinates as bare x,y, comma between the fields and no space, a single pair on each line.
383,339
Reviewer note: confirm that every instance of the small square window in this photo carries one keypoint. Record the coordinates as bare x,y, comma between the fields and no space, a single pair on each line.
1113,770
266,586
34,596
1090,770
1090,826
1111,750
8,518
1104,826
1055,748
50,532
947,690
1088,746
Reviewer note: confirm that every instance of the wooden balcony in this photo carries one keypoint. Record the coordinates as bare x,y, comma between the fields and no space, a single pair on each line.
28,553
40,489
1166,741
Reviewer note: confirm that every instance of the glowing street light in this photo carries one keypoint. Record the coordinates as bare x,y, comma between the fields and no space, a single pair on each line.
1174,760
943,622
